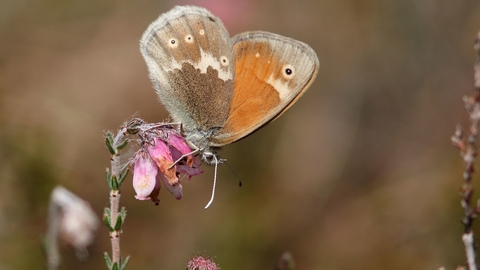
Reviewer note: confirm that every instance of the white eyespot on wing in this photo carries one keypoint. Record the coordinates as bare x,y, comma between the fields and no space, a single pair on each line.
189,38
173,43
224,61
258,55
201,32
288,72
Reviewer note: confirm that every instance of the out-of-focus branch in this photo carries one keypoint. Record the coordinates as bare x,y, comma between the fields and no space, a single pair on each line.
468,151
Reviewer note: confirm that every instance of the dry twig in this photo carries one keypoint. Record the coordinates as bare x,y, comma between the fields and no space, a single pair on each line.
468,151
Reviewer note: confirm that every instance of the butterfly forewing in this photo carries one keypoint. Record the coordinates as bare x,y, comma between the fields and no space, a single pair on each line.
188,53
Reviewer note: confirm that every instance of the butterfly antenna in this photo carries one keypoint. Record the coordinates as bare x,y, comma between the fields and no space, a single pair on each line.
234,173
214,183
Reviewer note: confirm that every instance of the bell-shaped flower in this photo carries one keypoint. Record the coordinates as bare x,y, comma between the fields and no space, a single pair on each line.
177,142
146,180
161,155
164,156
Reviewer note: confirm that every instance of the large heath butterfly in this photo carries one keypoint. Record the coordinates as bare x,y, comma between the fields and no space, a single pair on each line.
222,89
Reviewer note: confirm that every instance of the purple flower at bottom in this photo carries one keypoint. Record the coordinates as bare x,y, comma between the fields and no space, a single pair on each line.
202,263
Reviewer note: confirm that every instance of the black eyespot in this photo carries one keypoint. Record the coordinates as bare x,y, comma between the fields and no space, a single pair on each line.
224,60
172,43
288,71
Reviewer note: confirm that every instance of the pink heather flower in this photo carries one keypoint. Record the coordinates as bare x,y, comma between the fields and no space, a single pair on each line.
179,147
178,143
160,153
202,263
146,180
154,162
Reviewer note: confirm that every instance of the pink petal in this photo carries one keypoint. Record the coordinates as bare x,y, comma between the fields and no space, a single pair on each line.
145,179
160,153
181,145
190,171
190,168
176,189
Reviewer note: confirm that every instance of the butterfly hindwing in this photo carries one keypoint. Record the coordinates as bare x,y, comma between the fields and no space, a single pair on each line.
271,73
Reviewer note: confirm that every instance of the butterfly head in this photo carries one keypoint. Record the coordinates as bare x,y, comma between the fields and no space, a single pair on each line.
201,146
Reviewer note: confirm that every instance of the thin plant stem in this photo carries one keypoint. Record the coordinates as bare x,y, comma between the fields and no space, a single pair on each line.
115,200
114,216
468,152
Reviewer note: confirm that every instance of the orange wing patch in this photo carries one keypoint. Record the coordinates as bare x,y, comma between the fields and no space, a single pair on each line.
254,99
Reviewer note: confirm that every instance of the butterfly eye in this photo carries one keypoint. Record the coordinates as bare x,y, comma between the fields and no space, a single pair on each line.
188,38
288,71
224,61
209,157
172,43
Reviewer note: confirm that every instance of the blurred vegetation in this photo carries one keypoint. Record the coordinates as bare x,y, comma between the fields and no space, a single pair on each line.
359,174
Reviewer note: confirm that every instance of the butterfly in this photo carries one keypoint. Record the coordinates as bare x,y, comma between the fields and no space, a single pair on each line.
221,88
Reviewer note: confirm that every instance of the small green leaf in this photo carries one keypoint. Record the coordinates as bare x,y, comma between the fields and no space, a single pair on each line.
122,144
124,264
115,184
108,261
123,176
123,213
109,137
109,143
115,266
108,176
107,221
118,224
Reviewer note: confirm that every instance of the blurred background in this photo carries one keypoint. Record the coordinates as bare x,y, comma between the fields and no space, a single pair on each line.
358,174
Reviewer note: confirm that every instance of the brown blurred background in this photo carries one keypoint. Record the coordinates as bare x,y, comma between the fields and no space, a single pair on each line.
359,174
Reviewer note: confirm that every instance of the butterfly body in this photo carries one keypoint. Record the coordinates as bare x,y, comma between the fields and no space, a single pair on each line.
222,89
